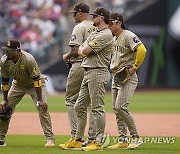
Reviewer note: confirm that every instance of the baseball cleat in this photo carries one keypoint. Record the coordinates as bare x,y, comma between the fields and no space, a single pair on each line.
73,144
84,144
61,145
49,143
2,143
93,146
119,145
134,144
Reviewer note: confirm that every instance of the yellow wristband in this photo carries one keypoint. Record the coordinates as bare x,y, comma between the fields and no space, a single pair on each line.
82,54
37,83
4,87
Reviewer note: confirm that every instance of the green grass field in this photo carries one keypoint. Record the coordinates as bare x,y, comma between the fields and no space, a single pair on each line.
142,102
146,102
28,144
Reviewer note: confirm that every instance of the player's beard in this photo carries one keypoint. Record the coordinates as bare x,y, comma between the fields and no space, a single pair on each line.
9,57
95,24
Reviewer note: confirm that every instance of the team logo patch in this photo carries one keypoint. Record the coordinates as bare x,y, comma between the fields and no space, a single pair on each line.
136,39
8,43
121,40
73,37
22,66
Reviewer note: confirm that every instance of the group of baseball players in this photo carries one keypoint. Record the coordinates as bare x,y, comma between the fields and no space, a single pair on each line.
98,48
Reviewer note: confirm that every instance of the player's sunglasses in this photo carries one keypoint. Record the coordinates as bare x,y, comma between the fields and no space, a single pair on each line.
95,15
113,22
9,51
74,14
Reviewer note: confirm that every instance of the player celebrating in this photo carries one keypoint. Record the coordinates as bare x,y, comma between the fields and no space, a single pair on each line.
129,52
27,79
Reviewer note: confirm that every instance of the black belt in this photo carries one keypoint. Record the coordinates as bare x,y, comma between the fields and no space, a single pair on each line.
90,68
86,68
72,62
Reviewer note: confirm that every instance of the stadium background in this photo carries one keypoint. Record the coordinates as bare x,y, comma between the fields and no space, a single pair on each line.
44,28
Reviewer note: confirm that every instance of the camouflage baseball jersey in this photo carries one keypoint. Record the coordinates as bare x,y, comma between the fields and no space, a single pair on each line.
80,33
123,50
101,43
23,71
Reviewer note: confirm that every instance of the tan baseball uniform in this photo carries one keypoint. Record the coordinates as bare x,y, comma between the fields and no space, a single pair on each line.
23,73
124,55
96,78
80,33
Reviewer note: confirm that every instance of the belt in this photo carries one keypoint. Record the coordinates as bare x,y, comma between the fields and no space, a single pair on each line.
90,68
72,62
86,68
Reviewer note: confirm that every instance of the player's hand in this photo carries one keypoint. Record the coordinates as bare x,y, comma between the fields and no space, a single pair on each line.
43,105
132,70
2,106
65,58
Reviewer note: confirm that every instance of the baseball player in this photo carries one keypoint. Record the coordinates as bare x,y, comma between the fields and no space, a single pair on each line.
27,79
97,52
129,52
80,33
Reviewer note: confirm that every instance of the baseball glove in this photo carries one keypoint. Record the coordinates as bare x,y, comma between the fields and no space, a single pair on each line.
122,76
7,114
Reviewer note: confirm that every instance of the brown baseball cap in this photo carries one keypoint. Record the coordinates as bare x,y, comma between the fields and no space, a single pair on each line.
80,7
102,12
116,16
12,45
119,17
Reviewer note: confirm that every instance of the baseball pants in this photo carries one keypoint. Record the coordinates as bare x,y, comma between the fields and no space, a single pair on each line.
121,97
15,95
92,92
74,80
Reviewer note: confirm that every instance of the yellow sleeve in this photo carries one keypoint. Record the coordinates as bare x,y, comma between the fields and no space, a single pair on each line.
140,55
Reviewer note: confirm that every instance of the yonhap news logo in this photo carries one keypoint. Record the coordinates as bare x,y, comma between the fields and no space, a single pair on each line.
151,140
159,140
106,140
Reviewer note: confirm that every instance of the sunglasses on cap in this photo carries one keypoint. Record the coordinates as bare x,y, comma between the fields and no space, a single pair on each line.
9,51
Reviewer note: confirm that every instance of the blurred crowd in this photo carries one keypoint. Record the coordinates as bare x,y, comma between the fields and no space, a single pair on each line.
118,5
40,24
35,23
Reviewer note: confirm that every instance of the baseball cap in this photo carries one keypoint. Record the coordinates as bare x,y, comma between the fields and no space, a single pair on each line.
12,45
116,16
80,7
102,12
119,17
